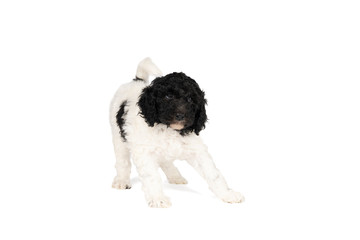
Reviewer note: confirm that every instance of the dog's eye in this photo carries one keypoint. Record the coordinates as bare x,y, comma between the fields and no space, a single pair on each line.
169,97
189,99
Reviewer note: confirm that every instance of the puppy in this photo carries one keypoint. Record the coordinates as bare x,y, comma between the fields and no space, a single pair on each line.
156,124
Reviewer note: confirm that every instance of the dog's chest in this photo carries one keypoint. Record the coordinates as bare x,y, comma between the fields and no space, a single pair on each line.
170,146
161,141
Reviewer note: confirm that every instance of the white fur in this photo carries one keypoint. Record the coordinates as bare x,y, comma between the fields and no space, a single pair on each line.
158,146
146,68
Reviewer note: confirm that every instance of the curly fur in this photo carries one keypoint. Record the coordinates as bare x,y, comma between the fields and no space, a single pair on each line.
172,94
156,124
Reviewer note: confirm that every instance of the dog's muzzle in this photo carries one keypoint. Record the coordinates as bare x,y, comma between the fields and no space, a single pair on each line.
177,126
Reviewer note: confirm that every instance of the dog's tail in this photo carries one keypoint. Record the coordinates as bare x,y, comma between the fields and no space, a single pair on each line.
147,68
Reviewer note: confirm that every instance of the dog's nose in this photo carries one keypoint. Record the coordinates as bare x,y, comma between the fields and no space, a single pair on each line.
179,116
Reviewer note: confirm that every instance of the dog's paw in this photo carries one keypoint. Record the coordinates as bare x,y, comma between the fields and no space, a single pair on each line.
121,184
159,202
179,180
232,197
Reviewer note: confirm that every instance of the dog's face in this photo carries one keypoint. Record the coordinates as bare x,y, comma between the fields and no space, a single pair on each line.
176,101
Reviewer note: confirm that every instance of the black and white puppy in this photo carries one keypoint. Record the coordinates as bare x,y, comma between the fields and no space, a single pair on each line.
156,124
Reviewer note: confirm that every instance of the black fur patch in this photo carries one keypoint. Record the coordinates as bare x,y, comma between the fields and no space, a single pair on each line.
120,119
138,79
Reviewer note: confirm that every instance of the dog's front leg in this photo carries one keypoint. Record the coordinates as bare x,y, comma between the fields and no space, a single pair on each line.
147,169
204,165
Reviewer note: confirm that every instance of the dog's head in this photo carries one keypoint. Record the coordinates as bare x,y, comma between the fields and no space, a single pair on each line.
176,101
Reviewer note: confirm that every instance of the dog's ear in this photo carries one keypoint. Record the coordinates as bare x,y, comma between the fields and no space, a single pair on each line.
200,116
147,105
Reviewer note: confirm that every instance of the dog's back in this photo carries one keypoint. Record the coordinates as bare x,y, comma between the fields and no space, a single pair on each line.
128,93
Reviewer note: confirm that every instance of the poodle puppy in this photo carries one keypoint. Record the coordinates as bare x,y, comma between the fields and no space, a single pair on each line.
156,124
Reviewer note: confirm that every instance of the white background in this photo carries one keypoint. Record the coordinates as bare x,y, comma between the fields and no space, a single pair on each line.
282,83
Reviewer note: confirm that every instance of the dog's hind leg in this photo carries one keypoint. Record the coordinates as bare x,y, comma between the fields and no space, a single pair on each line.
123,165
172,173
